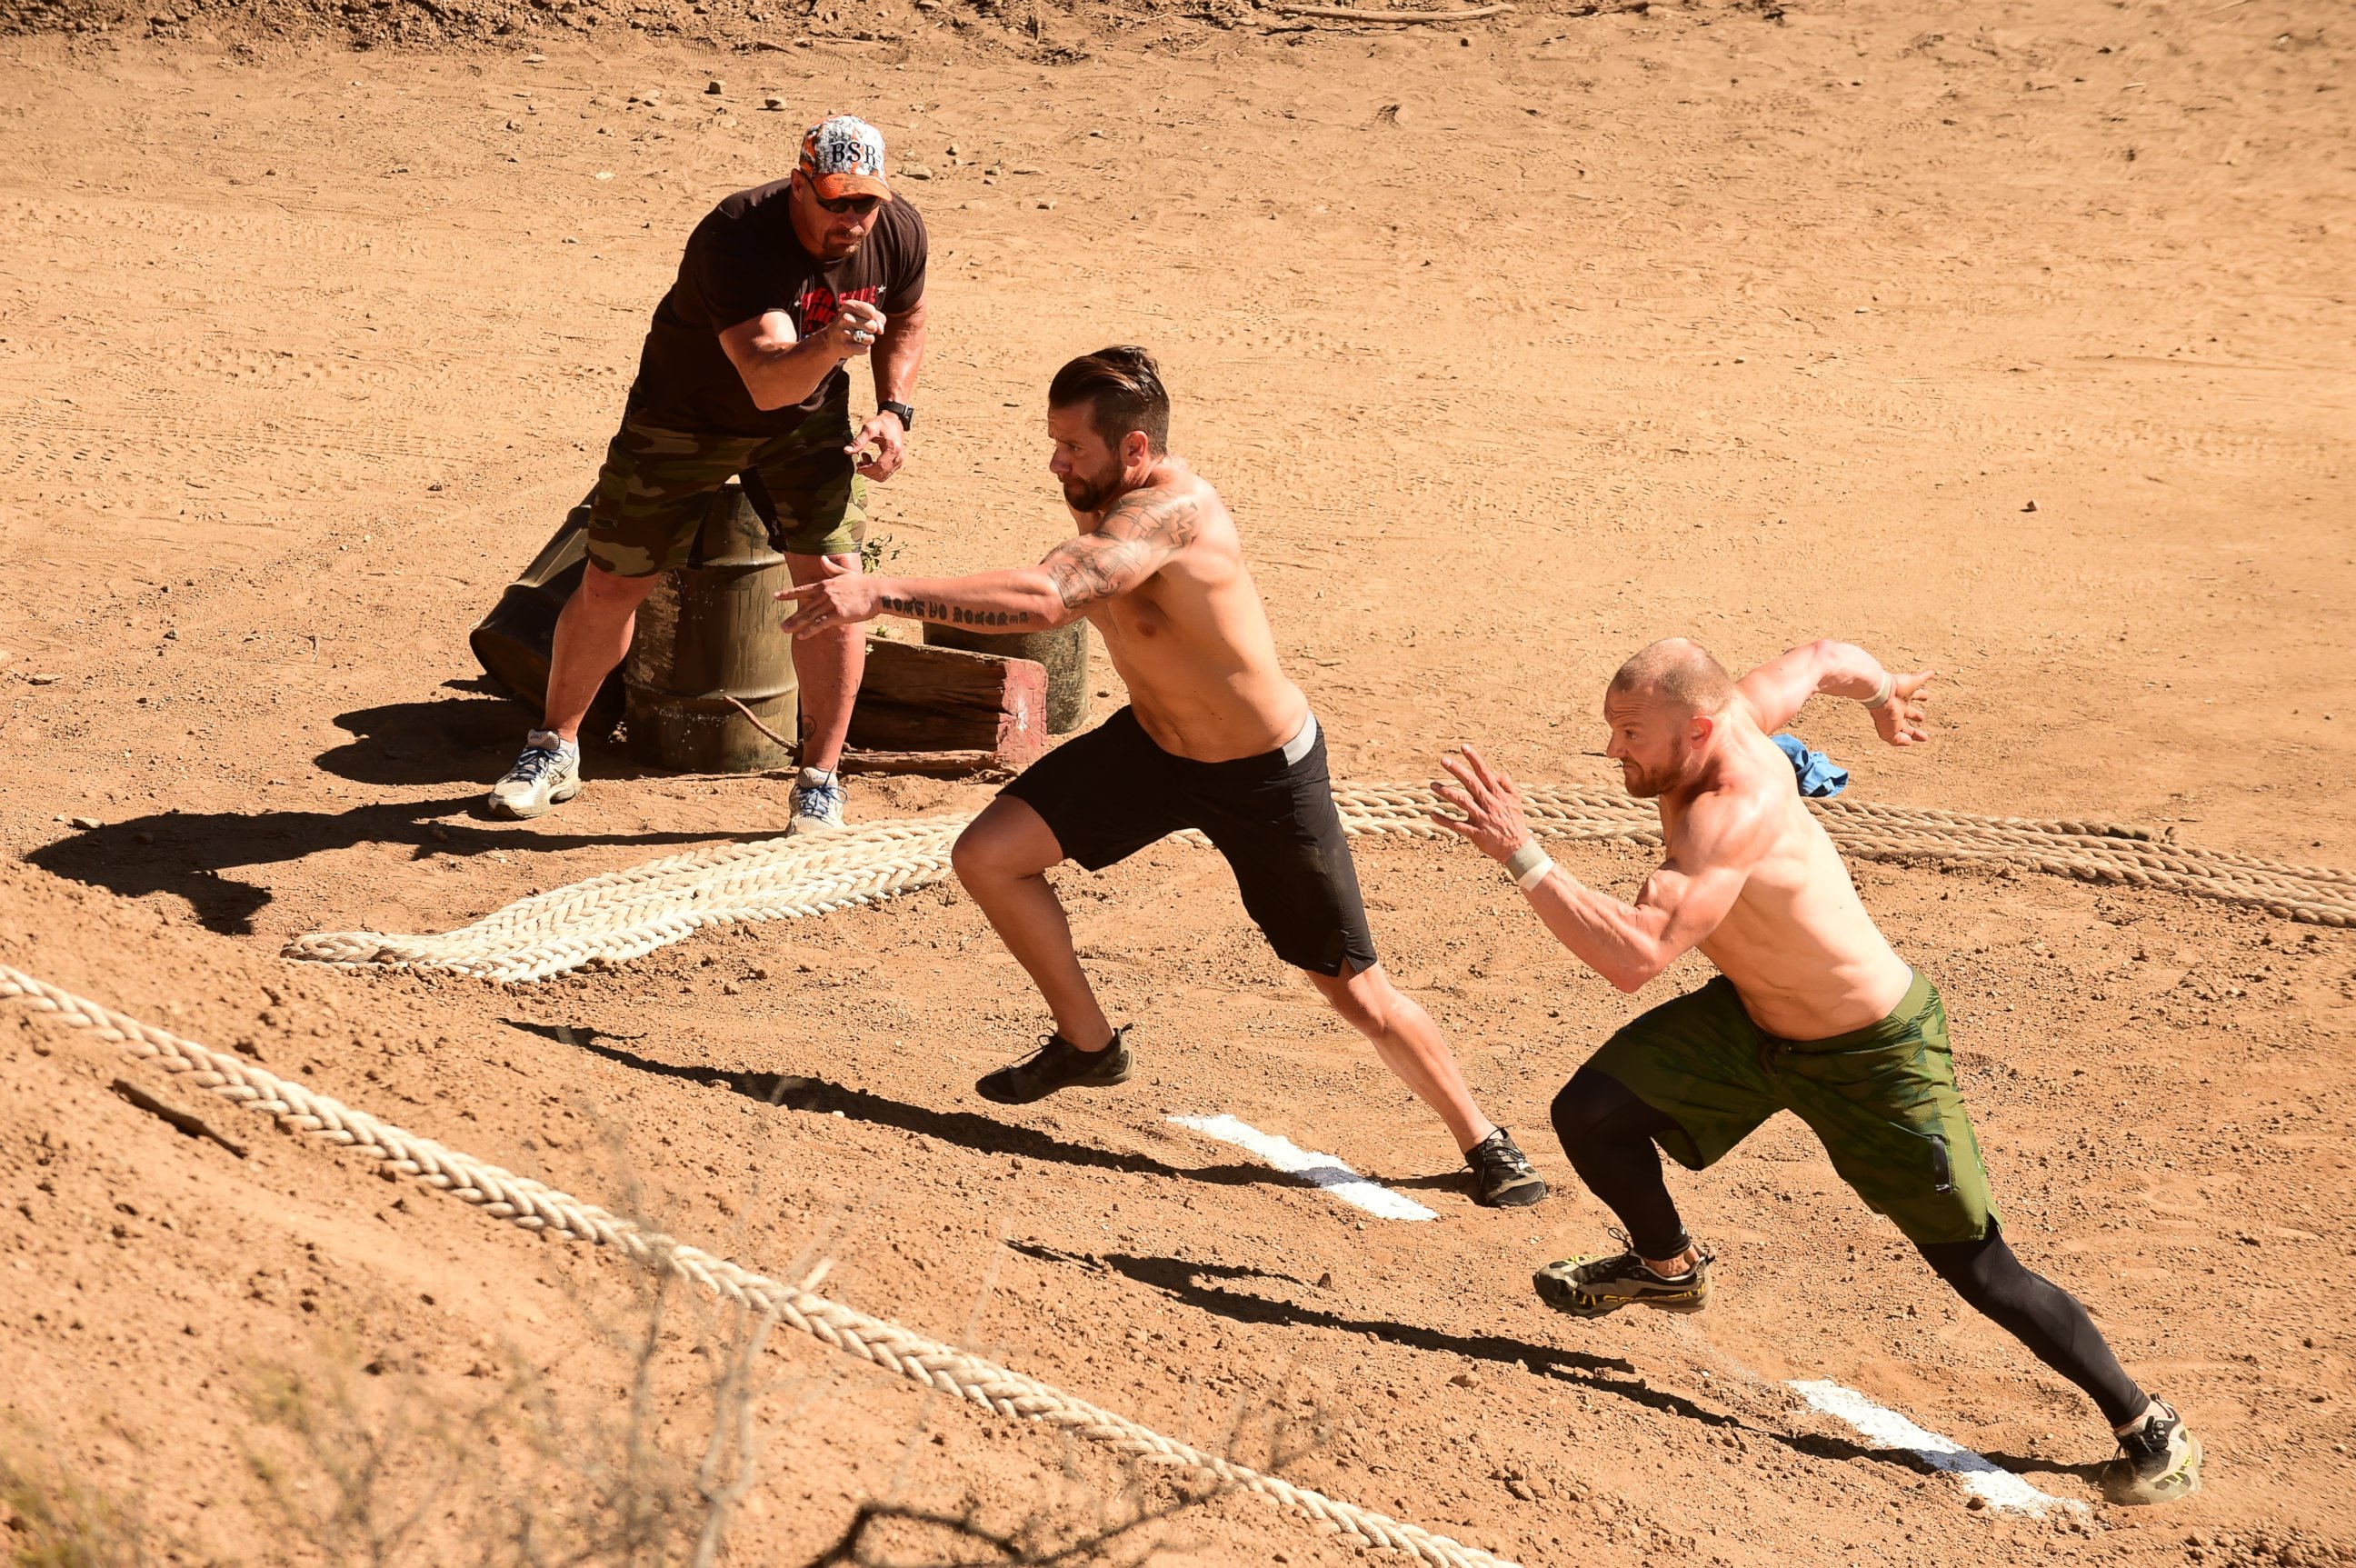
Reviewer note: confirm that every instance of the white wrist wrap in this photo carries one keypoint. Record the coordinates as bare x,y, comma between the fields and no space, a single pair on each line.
1528,865
1880,699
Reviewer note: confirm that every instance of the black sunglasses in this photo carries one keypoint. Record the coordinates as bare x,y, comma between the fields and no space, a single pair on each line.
841,205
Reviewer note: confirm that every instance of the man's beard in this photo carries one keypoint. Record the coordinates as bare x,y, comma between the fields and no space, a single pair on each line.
1082,495
1644,785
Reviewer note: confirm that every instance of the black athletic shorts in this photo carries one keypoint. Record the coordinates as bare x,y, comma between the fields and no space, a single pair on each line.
1111,792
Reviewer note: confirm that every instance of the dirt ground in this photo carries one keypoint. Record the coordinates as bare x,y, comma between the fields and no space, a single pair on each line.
2017,344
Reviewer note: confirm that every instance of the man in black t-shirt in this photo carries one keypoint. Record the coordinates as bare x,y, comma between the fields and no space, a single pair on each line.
743,373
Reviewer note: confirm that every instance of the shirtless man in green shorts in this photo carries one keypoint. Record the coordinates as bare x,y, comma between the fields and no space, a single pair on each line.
1811,1012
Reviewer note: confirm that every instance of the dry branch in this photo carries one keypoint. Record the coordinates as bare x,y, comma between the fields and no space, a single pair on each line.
755,720
194,1126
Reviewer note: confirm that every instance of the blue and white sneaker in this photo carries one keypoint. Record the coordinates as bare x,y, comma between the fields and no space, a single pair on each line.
819,799
545,776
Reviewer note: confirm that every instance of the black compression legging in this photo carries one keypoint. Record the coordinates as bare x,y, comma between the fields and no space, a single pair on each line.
1609,1134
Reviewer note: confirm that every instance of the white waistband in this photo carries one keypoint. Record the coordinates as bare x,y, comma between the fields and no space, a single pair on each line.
1298,746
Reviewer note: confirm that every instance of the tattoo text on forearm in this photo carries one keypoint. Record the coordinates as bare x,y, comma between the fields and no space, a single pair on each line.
953,615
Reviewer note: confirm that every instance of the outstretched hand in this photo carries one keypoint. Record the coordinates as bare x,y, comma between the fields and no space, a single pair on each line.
844,596
1900,720
1491,803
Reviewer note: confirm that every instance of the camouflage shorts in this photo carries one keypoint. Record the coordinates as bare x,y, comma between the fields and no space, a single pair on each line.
1883,1099
655,485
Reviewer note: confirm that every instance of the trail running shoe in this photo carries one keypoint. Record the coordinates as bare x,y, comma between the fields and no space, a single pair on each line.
2158,1462
1502,1177
1059,1064
545,776
818,797
1591,1287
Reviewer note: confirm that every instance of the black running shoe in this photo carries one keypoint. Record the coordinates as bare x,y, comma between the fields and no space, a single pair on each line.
1502,1175
2158,1462
1592,1287
1059,1064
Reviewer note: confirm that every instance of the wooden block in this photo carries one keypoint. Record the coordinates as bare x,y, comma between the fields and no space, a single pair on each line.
937,763
916,698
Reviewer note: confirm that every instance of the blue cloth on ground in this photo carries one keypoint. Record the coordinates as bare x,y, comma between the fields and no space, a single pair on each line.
1817,775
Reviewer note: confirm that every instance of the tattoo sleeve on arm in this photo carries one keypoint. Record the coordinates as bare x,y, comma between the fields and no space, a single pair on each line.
1134,540
1089,568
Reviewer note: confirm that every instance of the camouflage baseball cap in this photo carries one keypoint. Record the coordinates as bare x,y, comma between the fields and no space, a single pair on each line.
844,156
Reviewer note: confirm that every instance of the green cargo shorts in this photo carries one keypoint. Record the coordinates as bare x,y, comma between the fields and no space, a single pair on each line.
656,484
1883,1099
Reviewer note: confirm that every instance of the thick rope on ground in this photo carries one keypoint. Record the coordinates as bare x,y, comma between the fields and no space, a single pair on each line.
530,1203
627,914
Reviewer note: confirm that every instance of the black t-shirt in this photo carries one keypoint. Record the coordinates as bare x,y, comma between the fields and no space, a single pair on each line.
744,261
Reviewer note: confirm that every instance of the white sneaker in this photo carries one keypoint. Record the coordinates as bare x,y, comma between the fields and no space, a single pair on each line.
818,797
547,774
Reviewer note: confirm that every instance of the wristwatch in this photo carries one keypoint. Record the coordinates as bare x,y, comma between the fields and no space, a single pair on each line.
908,415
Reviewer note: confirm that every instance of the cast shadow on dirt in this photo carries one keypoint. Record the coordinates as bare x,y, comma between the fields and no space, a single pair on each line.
1185,1281
189,853
983,1135
403,744
470,735
474,735
1191,1283
2027,1464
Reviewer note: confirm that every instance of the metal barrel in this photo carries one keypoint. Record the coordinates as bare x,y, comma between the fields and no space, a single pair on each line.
1064,650
708,633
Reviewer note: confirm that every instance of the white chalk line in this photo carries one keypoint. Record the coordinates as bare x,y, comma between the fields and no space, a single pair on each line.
1325,1171
1884,1428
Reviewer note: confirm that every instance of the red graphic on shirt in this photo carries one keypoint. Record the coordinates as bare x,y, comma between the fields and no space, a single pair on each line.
819,305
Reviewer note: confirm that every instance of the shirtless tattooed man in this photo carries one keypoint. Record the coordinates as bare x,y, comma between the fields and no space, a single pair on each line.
1811,1012
1215,737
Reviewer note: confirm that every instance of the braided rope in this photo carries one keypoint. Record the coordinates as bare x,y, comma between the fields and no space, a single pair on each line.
627,914
522,1202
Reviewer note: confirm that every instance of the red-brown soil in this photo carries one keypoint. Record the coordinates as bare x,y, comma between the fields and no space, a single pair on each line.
1512,349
